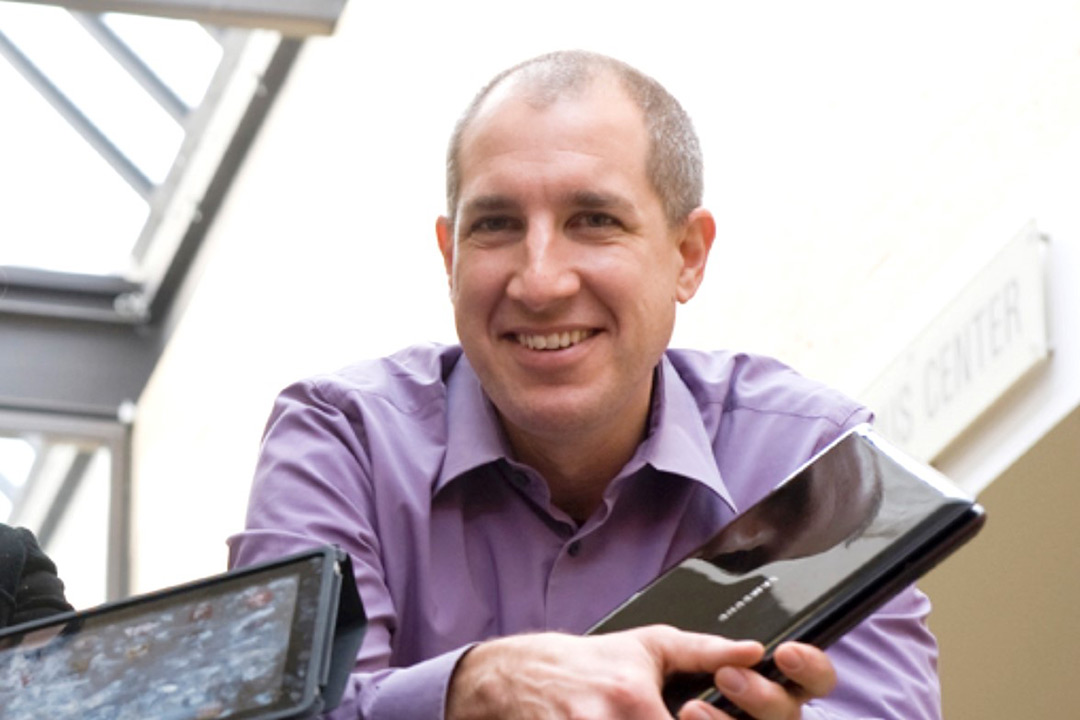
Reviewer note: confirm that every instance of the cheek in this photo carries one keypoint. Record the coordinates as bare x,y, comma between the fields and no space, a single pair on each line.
476,287
628,271
642,291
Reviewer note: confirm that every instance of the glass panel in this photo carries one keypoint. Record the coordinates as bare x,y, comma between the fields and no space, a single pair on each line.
59,488
180,52
66,207
16,460
80,543
73,212
102,90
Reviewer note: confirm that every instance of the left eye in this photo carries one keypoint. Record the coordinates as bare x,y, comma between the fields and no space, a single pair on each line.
596,220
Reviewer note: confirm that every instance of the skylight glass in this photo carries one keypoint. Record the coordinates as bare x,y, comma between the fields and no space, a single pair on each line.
110,98
67,207
180,52
64,207
16,461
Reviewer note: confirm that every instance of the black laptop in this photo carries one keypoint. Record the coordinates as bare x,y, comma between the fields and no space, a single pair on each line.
855,525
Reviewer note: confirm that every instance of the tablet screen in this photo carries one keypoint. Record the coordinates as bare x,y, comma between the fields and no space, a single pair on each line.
237,647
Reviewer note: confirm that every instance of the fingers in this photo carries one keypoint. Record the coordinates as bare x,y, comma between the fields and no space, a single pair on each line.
604,676
679,651
808,667
811,674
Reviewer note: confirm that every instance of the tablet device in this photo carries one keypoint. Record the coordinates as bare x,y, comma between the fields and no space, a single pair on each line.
844,533
275,640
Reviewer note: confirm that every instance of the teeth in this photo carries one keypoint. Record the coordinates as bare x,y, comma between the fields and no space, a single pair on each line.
554,341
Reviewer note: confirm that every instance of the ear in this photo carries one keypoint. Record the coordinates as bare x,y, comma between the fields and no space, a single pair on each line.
444,232
695,241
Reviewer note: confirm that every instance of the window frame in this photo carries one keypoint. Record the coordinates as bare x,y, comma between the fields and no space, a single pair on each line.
76,350
91,433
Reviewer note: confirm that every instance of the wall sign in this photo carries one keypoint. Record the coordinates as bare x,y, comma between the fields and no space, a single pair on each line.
981,344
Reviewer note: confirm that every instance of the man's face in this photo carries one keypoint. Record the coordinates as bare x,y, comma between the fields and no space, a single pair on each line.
564,272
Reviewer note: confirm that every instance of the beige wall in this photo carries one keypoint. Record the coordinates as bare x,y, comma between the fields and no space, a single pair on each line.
863,161
1005,606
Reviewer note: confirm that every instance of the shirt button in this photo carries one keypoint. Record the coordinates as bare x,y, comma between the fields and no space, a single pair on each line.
575,548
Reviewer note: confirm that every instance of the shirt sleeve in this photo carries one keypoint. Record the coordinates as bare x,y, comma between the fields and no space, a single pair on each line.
886,667
312,486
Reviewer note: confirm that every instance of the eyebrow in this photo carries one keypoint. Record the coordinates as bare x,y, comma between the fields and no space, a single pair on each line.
488,203
591,200
585,199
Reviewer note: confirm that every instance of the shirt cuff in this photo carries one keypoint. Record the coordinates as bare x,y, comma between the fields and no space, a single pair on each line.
417,691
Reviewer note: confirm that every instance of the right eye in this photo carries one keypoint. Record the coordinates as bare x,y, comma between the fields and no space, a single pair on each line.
494,224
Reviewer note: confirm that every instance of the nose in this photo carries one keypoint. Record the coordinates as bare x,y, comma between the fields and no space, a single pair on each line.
546,273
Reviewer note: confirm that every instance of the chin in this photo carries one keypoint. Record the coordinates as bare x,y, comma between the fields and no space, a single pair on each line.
547,409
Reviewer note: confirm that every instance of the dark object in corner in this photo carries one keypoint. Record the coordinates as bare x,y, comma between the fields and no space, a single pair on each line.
29,586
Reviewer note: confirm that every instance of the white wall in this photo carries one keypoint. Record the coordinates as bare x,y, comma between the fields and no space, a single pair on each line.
1040,401
856,156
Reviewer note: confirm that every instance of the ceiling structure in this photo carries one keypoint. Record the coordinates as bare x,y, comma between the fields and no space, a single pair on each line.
124,125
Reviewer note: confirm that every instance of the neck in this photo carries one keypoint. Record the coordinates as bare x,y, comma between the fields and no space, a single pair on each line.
579,465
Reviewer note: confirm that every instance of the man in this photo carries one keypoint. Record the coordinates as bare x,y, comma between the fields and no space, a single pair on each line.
561,458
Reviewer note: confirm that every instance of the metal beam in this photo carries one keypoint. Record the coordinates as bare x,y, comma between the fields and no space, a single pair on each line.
162,291
118,563
133,64
59,370
67,109
69,344
76,296
74,367
295,18
201,147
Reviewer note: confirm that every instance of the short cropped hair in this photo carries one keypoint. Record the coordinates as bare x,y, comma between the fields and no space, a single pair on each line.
673,165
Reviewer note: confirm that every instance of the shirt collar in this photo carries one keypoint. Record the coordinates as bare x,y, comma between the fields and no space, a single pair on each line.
474,436
677,442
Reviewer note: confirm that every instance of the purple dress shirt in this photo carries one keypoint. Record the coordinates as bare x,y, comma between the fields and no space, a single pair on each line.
402,462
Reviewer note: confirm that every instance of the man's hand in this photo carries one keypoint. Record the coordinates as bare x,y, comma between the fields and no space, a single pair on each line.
619,676
808,667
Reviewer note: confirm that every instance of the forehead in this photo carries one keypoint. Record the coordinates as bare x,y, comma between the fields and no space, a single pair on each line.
595,125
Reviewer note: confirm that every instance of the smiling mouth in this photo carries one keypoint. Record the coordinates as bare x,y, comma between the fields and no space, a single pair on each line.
553,341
